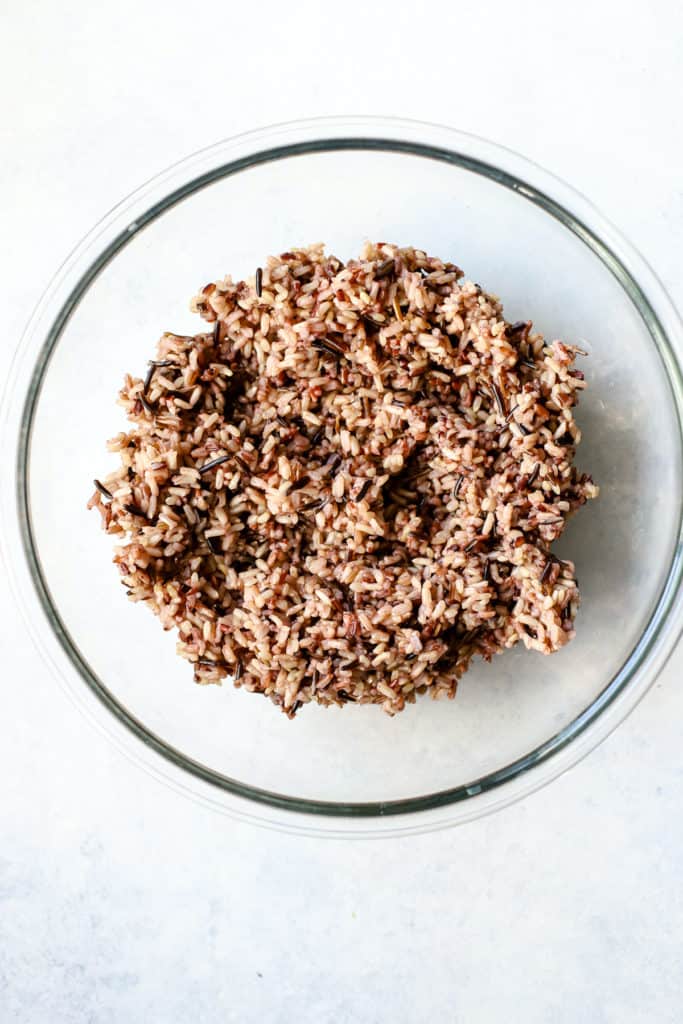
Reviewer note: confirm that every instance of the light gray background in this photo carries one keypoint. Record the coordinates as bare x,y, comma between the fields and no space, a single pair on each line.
120,901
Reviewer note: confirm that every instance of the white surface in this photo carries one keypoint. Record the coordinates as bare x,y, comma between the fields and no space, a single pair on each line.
120,901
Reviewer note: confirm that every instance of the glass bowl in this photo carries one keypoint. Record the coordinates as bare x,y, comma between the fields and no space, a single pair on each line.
522,234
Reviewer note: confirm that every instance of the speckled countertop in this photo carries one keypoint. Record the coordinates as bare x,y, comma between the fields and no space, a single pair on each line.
121,901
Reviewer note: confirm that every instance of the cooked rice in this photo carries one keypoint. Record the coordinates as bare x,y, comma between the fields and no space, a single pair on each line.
350,485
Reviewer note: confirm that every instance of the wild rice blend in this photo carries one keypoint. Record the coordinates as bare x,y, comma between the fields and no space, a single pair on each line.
350,485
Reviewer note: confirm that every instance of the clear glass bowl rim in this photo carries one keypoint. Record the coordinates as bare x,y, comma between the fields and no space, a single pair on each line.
416,814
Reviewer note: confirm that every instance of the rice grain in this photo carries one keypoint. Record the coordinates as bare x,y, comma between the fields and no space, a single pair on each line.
350,485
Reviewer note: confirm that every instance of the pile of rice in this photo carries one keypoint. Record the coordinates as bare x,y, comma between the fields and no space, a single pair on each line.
350,485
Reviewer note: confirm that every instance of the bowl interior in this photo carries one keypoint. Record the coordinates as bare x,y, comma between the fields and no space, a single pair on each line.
622,543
